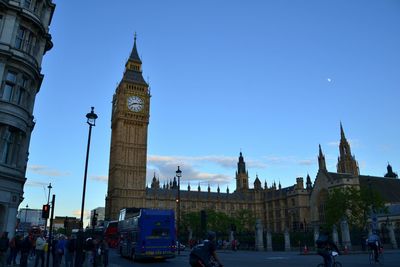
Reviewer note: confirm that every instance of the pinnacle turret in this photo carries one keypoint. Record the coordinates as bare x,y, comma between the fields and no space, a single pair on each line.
134,56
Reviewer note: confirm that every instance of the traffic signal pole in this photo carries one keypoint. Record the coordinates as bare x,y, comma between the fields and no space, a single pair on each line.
49,241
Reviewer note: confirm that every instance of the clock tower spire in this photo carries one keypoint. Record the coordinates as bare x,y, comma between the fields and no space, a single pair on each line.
129,129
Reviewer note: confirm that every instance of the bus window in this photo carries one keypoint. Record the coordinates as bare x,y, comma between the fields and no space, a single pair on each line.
160,232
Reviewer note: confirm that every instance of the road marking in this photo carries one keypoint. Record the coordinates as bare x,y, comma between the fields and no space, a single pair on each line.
276,258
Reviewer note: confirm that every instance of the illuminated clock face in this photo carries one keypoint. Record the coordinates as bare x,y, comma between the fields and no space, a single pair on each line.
135,103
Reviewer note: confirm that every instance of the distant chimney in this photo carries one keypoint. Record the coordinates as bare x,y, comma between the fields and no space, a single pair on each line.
299,183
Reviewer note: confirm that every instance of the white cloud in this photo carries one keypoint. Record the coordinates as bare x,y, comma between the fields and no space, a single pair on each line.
100,178
46,171
306,162
165,167
32,183
287,160
77,213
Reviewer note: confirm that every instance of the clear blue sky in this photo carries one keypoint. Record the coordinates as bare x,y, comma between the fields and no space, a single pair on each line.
272,79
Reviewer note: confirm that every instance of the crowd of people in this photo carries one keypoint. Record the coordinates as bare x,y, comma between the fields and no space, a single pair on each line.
21,249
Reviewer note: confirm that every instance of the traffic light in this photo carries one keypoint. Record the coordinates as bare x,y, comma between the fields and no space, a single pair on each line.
45,211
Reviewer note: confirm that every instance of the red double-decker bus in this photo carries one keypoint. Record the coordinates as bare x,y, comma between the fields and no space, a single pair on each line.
111,234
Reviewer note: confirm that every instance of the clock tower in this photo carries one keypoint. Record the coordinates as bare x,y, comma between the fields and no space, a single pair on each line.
128,151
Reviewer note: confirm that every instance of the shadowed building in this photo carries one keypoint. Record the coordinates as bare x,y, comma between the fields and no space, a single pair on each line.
24,39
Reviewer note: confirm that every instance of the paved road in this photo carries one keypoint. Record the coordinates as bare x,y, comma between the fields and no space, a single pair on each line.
262,259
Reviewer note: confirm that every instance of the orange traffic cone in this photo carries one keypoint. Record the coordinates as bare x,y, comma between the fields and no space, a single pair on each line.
305,250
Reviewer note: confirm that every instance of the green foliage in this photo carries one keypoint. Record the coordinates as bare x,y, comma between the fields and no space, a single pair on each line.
219,222
302,238
352,204
244,220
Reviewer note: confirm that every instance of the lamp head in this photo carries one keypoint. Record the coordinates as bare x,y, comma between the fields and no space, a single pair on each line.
178,173
91,118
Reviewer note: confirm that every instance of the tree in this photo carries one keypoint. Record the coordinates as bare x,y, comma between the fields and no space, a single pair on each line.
244,220
353,204
218,222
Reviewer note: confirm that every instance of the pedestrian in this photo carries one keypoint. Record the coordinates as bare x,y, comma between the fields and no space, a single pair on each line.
60,248
70,248
39,250
32,238
54,251
26,247
14,248
234,244
89,252
4,244
104,252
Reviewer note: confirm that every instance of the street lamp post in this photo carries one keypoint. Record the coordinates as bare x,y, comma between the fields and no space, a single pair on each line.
178,174
91,120
48,201
26,212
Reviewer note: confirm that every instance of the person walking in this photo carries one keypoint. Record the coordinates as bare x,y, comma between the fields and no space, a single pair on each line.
60,248
54,251
39,250
26,247
70,248
104,252
4,244
15,244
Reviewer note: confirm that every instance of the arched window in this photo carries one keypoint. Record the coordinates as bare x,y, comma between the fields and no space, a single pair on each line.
322,197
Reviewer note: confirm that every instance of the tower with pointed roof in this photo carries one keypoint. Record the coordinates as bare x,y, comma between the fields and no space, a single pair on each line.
346,161
129,129
242,176
321,160
390,173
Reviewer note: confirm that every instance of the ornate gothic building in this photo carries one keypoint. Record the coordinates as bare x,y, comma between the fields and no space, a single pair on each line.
294,207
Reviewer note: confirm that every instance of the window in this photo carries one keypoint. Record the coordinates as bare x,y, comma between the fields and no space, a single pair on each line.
10,144
16,89
36,8
27,3
19,39
19,96
9,86
26,41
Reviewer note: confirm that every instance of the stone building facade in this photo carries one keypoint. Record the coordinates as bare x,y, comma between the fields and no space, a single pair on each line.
278,208
24,39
